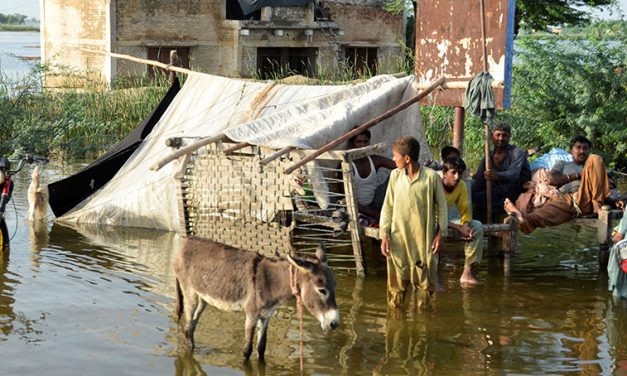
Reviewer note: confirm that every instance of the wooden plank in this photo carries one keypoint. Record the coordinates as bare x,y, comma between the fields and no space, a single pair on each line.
353,217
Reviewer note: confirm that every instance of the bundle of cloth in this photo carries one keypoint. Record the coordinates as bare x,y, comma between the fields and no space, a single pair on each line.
538,190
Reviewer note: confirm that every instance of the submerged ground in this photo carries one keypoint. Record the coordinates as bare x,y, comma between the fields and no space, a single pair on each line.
99,301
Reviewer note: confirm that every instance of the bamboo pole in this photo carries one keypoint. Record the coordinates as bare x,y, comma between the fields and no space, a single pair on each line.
276,155
187,150
434,84
236,147
488,183
159,64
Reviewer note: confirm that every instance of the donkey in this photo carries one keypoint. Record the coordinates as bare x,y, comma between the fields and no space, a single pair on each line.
232,279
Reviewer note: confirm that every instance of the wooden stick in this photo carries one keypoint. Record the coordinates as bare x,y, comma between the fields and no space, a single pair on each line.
488,183
187,150
236,147
159,64
172,63
276,155
460,85
366,125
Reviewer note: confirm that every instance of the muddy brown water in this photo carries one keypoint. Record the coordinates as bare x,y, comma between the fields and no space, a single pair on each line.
99,301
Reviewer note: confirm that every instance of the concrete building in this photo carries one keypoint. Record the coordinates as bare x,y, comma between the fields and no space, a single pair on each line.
214,36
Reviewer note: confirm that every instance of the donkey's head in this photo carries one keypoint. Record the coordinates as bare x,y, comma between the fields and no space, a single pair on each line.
317,288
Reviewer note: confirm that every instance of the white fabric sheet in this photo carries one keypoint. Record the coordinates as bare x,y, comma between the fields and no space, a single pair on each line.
258,113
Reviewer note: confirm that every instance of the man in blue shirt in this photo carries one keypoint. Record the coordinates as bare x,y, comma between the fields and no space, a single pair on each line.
509,171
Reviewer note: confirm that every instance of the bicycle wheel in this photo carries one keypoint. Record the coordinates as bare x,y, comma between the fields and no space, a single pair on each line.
4,236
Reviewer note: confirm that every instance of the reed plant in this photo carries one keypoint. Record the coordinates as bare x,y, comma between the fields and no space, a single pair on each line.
72,122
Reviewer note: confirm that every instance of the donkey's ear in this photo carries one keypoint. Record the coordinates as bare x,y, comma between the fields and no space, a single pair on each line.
321,253
301,264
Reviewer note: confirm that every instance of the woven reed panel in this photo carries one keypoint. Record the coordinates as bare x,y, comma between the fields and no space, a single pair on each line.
235,201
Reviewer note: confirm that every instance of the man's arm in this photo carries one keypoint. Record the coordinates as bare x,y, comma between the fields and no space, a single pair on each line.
558,178
380,161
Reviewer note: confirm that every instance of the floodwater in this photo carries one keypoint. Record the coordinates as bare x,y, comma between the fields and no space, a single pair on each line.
19,52
99,301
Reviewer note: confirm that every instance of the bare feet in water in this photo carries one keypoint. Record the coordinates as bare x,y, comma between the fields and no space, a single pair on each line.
468,277
512,209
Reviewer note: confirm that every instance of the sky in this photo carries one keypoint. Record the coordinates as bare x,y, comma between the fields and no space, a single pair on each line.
31,8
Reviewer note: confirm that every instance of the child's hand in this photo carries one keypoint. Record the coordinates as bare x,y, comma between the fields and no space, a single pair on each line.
385,247
437,242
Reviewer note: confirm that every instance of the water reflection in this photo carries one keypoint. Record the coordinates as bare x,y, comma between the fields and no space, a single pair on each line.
101,300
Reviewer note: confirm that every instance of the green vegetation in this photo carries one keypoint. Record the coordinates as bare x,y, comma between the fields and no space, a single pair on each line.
537,15
561,88
6,27
72,123
17,22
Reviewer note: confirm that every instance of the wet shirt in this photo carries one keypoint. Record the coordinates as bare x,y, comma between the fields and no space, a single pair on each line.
410,213
567,168
513,172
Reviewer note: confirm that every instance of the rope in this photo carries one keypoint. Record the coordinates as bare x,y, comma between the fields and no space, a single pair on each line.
299,307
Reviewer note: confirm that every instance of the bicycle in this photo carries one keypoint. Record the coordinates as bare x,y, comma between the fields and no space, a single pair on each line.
6,186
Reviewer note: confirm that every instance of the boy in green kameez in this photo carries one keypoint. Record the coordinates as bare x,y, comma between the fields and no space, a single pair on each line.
414,219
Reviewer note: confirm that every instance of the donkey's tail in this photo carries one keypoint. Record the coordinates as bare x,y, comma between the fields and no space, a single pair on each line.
179,301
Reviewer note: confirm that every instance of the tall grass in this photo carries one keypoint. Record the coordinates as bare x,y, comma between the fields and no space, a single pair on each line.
74,123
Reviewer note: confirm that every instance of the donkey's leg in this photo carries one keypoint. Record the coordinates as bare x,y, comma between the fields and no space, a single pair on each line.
250,332
197,312
191,304
262,329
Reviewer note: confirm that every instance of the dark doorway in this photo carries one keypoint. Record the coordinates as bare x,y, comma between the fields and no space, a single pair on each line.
279,62
362,60
234,12
162,54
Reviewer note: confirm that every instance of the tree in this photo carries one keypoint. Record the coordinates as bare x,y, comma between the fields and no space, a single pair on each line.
539,14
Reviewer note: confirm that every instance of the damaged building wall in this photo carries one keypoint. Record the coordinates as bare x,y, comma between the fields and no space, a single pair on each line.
68,27
294,38
366,24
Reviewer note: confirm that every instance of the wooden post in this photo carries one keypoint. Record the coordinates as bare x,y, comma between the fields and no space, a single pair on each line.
353,216
488,184
458,129
604,231
510,237
172,64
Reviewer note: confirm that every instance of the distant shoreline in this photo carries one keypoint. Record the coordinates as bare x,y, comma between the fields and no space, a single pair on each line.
9,27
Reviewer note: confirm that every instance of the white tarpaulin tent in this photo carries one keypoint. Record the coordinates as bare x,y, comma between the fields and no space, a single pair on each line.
265,114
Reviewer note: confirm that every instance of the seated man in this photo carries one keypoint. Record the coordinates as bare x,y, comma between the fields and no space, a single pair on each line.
509,172
583,186
470,230
368,190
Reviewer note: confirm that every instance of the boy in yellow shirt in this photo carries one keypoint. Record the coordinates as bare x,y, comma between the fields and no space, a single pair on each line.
470,230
